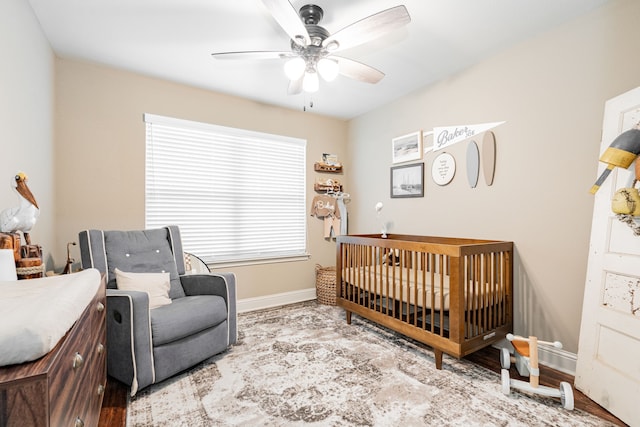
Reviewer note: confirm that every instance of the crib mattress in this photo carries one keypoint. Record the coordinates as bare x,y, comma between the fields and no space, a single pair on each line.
387,281
424,289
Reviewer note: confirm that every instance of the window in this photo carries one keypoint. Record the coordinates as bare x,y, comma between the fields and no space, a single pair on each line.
236,195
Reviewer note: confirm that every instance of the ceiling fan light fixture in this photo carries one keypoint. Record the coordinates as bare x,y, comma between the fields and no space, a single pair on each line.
311,83
300,40
332,45
294,68
328,69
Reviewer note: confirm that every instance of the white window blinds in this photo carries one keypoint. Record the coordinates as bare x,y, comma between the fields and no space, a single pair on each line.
236,195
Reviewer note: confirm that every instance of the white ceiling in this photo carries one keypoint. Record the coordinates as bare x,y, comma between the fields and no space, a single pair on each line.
173,40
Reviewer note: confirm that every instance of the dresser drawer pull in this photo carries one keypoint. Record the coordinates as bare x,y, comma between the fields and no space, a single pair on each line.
100,307
78,361
79,422
100,348
100,390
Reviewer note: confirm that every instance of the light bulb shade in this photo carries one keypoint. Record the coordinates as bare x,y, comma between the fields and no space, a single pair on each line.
328,69
294,68
7,265
310,83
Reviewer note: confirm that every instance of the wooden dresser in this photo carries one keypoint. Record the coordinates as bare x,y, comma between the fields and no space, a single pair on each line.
64,387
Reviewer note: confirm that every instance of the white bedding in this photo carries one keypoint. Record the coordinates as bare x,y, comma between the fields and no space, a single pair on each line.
376,282
35,314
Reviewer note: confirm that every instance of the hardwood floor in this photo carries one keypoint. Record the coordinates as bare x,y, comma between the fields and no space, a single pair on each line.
114,405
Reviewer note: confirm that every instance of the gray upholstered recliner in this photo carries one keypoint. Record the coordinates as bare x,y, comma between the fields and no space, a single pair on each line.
147,346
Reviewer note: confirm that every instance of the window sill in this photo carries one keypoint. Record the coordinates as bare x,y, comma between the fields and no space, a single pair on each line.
256,261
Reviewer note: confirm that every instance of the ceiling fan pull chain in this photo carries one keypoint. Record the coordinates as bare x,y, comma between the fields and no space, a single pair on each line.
310,102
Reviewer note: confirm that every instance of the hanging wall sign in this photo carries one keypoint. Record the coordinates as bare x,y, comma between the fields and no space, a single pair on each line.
449,135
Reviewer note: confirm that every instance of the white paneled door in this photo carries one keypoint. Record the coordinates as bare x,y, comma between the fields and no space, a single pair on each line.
608,368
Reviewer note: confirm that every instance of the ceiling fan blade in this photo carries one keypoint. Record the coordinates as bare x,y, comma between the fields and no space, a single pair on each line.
285,15
295,86
358,71
368,28
251,55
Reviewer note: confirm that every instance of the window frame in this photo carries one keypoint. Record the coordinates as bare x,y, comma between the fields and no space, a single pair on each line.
251,149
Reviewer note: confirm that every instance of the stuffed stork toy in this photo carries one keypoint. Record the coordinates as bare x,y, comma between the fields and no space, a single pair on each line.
23,217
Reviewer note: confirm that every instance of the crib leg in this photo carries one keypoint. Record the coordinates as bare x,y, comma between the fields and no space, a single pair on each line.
438,354
348,317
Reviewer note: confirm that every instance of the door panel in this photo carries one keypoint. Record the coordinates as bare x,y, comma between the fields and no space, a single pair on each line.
608,367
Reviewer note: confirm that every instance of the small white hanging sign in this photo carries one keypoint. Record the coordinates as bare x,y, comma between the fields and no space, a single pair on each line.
449,135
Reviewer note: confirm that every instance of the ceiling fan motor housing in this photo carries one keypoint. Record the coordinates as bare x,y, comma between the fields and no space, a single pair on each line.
311,14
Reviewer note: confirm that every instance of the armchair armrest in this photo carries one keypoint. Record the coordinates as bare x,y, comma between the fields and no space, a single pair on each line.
222,284
209,284
129,347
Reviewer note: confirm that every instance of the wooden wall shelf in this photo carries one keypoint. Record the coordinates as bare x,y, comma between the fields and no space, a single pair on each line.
323,167
323,188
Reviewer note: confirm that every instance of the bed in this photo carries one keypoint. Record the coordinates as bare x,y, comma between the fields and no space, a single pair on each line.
452,294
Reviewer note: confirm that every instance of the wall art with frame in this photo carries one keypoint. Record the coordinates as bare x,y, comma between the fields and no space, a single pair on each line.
406,148
407,180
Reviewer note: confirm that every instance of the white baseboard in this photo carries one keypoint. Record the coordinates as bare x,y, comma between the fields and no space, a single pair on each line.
551,357
268,301
558,359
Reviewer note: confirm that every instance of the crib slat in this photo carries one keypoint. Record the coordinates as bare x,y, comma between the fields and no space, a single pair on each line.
432,295
468,296
441,311
423,293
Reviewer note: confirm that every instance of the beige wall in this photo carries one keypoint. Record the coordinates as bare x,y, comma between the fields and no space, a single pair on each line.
26,114
100,141
551,92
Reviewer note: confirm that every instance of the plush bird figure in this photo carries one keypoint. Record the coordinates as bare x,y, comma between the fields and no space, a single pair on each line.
23,217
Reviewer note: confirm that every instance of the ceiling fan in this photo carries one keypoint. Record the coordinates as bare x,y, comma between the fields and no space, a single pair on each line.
313,48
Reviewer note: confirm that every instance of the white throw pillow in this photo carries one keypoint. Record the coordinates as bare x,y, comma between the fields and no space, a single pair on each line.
156,285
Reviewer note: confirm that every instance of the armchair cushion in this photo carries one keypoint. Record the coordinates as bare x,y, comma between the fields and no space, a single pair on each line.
186,316
142,251
155,284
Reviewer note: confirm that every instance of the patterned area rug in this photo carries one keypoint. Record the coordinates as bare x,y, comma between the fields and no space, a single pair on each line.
303,365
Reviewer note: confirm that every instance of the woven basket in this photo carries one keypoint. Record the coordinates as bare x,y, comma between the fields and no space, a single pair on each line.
326,285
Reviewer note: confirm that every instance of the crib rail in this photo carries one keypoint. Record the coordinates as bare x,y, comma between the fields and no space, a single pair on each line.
446,291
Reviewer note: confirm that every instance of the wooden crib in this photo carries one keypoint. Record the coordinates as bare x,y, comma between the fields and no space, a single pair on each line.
455,295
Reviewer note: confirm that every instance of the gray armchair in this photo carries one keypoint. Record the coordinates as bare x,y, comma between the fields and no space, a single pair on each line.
147,346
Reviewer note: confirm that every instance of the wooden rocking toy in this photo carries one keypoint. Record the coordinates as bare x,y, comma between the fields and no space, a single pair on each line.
526,361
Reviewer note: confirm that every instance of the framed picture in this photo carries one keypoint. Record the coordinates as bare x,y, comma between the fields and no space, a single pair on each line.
330,159
406,148
407,180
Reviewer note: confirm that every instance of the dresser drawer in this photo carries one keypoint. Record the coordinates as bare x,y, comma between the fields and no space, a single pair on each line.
67,393
98,372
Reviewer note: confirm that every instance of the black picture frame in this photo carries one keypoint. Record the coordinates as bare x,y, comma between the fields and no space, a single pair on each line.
407,181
